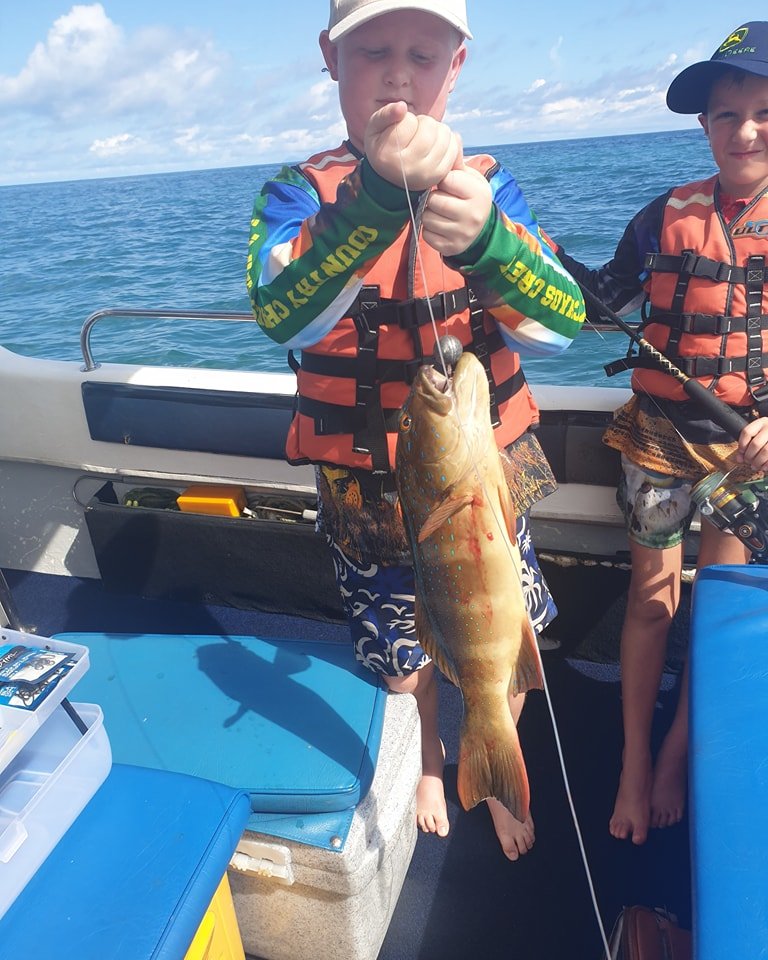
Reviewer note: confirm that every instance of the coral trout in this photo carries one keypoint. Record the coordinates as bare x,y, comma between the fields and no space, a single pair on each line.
471,616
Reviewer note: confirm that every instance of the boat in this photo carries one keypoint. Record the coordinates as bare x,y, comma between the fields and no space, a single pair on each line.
87,450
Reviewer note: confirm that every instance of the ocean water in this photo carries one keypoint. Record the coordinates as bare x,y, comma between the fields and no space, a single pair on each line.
178,241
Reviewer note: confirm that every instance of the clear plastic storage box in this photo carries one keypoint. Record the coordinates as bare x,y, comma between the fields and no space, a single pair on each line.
17,725
43,790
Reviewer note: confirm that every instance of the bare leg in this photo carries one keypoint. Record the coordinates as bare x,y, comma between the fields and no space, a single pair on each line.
670,775
431,811
654,594
516,838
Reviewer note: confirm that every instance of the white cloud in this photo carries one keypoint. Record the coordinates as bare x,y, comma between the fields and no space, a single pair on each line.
118,145
192,143
88,66
77,51
536,85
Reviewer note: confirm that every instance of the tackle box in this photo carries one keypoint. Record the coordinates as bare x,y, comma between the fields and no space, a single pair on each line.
330,760
17,725
53,757
44,788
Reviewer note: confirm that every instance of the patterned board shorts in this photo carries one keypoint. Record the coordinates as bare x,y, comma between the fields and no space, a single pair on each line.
379,604
657,508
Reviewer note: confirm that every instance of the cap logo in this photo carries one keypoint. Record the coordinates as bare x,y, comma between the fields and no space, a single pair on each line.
737,37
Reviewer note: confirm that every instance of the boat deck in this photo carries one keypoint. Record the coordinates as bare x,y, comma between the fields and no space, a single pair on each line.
461,897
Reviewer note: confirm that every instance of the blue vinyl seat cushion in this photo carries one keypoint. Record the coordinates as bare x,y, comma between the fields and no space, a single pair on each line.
133,876
729,761
297,724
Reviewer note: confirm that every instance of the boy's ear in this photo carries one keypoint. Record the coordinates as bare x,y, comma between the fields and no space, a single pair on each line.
704,122
456,64
330,55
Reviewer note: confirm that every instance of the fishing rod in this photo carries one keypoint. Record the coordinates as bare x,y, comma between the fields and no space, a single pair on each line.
720,412
728,507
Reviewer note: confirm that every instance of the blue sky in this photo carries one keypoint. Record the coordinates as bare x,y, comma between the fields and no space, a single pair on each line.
126,87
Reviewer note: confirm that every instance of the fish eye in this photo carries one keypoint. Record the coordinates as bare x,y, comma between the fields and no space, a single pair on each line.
405,422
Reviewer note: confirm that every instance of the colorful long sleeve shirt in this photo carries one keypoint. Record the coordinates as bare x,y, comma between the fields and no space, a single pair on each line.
308,259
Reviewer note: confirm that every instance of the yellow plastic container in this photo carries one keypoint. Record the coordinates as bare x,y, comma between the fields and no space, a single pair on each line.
218,936
217,500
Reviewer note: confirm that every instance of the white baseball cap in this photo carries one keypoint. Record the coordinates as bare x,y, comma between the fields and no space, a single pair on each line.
348,14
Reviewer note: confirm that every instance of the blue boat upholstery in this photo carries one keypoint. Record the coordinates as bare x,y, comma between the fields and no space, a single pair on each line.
133,876
295,723
729,761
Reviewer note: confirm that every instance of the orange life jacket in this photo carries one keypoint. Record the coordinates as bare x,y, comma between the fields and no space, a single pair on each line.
708,298
352,383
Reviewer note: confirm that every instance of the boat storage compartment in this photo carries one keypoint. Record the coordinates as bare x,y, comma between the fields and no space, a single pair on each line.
330,760
728,750
271,565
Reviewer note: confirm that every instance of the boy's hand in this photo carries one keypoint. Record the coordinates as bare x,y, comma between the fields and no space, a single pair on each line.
753,444
398,143
457,209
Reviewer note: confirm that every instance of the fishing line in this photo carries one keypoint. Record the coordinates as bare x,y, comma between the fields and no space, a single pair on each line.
505,538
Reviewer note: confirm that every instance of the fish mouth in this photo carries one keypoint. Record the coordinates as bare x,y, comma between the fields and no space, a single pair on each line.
439,382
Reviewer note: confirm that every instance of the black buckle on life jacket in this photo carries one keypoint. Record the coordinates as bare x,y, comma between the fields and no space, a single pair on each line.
689,263
422,310
698,266
714,324
368,301
760,397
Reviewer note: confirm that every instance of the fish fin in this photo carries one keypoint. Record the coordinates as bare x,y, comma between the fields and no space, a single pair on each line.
527,674
429,645
442,512
492,765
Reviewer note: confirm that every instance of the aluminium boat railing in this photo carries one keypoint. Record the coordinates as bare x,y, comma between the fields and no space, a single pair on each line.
231,316
85,333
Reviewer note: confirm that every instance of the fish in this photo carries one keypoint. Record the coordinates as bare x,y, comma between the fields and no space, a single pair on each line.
470,612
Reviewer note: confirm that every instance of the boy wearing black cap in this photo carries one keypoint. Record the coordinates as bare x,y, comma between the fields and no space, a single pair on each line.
695,258
336,270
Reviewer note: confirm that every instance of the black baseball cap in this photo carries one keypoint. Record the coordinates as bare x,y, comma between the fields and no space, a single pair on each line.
745,48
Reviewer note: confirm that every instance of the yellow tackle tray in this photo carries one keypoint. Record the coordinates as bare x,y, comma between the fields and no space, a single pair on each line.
215,500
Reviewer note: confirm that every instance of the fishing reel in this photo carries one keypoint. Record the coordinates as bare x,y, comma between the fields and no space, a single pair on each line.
734,508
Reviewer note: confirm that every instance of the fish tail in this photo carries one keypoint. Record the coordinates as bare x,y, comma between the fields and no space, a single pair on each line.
491,765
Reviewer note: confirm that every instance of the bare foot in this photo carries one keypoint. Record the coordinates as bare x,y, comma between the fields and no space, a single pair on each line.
670,782
516,837
632,809
431,811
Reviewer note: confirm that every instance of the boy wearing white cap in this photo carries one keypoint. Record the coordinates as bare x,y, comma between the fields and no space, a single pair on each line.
337,270
695,258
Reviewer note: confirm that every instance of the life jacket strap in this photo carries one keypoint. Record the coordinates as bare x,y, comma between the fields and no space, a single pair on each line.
755,371
408,314
703,323
691,264
690,366
370,434
335,418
